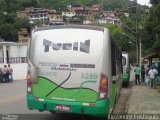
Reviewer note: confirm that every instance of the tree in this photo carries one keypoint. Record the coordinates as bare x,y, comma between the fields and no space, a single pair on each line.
152,28
28,3
8,33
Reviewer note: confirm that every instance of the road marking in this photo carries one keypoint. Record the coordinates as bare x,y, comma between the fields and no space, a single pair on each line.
11,98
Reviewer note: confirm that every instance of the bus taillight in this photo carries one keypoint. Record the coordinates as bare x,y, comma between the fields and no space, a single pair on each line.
29,83
103,89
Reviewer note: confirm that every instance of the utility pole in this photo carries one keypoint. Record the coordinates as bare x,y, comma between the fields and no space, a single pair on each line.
137,35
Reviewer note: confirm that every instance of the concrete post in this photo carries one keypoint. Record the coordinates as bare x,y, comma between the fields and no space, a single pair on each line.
4,54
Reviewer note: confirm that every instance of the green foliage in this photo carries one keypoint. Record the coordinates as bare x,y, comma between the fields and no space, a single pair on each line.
8,33
122,41
154,2
152,28
28,3
9,26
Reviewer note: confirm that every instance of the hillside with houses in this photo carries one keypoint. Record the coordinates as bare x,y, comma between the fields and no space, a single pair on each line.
77,14
19,17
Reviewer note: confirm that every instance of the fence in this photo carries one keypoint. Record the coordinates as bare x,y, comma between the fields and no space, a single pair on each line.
14,60
17,60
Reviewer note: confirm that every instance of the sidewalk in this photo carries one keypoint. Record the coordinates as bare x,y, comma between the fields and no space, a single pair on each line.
143,100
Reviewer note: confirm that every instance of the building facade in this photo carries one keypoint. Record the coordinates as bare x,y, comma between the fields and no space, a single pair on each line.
14,54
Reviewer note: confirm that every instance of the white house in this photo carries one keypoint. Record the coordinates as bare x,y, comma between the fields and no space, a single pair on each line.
102,21
69,13
126,14
38,14
14,54
55,18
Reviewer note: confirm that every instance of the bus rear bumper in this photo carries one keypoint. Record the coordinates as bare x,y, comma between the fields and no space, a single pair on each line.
99,109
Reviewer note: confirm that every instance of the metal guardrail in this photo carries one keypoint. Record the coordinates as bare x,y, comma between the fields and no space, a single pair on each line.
17,60
14,60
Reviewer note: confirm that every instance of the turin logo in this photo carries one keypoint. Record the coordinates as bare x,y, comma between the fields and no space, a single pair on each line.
75,46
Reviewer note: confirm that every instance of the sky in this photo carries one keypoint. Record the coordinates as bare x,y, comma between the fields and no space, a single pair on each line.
143,2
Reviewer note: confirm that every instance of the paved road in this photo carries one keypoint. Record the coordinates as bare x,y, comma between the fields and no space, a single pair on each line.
13,104
13,97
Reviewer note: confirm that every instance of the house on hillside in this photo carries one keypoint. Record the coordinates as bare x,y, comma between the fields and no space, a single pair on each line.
38,14
109,17
126,14
69,14
22,14
55,18
33,14
89,21
23,35
77,8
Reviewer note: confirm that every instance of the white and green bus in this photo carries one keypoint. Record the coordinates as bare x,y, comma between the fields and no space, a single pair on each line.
73,69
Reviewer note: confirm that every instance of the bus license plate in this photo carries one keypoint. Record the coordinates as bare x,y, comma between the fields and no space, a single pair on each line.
63,107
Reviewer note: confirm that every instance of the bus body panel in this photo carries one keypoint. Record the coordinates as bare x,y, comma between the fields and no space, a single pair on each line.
70,62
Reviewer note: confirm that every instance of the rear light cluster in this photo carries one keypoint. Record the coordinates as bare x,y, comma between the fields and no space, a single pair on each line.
29,83
103,90
89,104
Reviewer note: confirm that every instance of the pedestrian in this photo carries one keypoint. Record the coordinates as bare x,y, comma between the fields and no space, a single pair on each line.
10,71
137,74
147,75
142,73
152,75
5,74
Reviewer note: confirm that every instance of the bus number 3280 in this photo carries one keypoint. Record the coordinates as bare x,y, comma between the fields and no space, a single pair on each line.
92,76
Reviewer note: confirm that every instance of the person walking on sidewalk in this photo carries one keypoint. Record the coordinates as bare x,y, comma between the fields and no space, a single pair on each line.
142,73
147,74
152,75
137,74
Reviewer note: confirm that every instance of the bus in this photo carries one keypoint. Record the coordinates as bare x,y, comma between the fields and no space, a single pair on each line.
126,69
73,69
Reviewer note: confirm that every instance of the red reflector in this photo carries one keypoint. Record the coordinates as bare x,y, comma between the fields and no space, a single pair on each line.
29,83
91,104
36,98
103,89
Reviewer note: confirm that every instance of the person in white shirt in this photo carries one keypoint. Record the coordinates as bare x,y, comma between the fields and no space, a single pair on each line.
10,71
152,75
5,74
